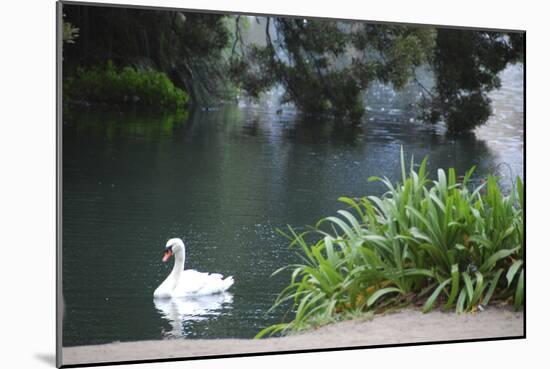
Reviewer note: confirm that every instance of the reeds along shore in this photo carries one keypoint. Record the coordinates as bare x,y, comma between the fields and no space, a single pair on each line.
442,243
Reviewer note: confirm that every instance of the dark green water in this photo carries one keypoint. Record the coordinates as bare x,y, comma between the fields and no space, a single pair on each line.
223,181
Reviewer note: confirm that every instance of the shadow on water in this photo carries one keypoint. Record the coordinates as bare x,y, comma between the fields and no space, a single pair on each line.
324,130
110,124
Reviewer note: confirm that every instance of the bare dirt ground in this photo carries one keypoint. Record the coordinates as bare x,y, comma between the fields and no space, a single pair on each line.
407,326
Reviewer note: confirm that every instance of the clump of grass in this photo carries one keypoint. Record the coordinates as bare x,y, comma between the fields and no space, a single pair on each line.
438,242
127,85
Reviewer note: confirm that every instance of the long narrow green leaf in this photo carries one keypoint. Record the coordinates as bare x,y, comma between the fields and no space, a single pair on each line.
381,292
340,223
428,305
454,286
468,175
494,258
329,247
403,172
478,289
272,329
512,271
492,287
352,220
417,272
519,296
353,204
469,286
460,302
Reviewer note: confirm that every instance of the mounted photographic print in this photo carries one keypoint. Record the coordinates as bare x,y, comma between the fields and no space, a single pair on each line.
236,184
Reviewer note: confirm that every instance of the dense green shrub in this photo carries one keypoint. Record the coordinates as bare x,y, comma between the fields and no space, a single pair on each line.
108,84
435,242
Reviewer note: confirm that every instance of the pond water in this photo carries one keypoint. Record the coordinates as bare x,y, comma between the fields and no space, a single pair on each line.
224,180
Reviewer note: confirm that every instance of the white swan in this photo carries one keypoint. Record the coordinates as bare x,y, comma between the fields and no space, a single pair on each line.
182,283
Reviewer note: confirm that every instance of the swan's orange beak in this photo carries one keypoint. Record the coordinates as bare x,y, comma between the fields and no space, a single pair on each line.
167,255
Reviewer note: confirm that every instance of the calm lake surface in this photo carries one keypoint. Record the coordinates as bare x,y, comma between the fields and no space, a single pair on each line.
224,180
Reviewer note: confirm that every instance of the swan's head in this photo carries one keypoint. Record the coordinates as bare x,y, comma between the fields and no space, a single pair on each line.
173,246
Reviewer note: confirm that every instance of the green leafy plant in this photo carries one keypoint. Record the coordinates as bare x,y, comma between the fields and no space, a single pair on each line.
70,33
439,242
125,85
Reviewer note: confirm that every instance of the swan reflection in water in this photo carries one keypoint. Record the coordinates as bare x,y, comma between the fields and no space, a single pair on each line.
183,310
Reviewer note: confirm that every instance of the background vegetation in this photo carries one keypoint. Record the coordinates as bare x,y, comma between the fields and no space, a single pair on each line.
186,47
324,66
109,84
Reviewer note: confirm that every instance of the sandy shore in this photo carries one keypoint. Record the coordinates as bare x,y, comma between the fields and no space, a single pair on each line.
406,326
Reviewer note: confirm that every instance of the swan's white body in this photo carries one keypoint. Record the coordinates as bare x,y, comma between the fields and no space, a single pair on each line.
185,283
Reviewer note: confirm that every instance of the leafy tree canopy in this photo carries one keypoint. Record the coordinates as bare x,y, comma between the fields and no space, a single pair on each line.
187,47
466,66
324,66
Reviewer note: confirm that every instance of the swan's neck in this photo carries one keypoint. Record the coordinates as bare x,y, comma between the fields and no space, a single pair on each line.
179,257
